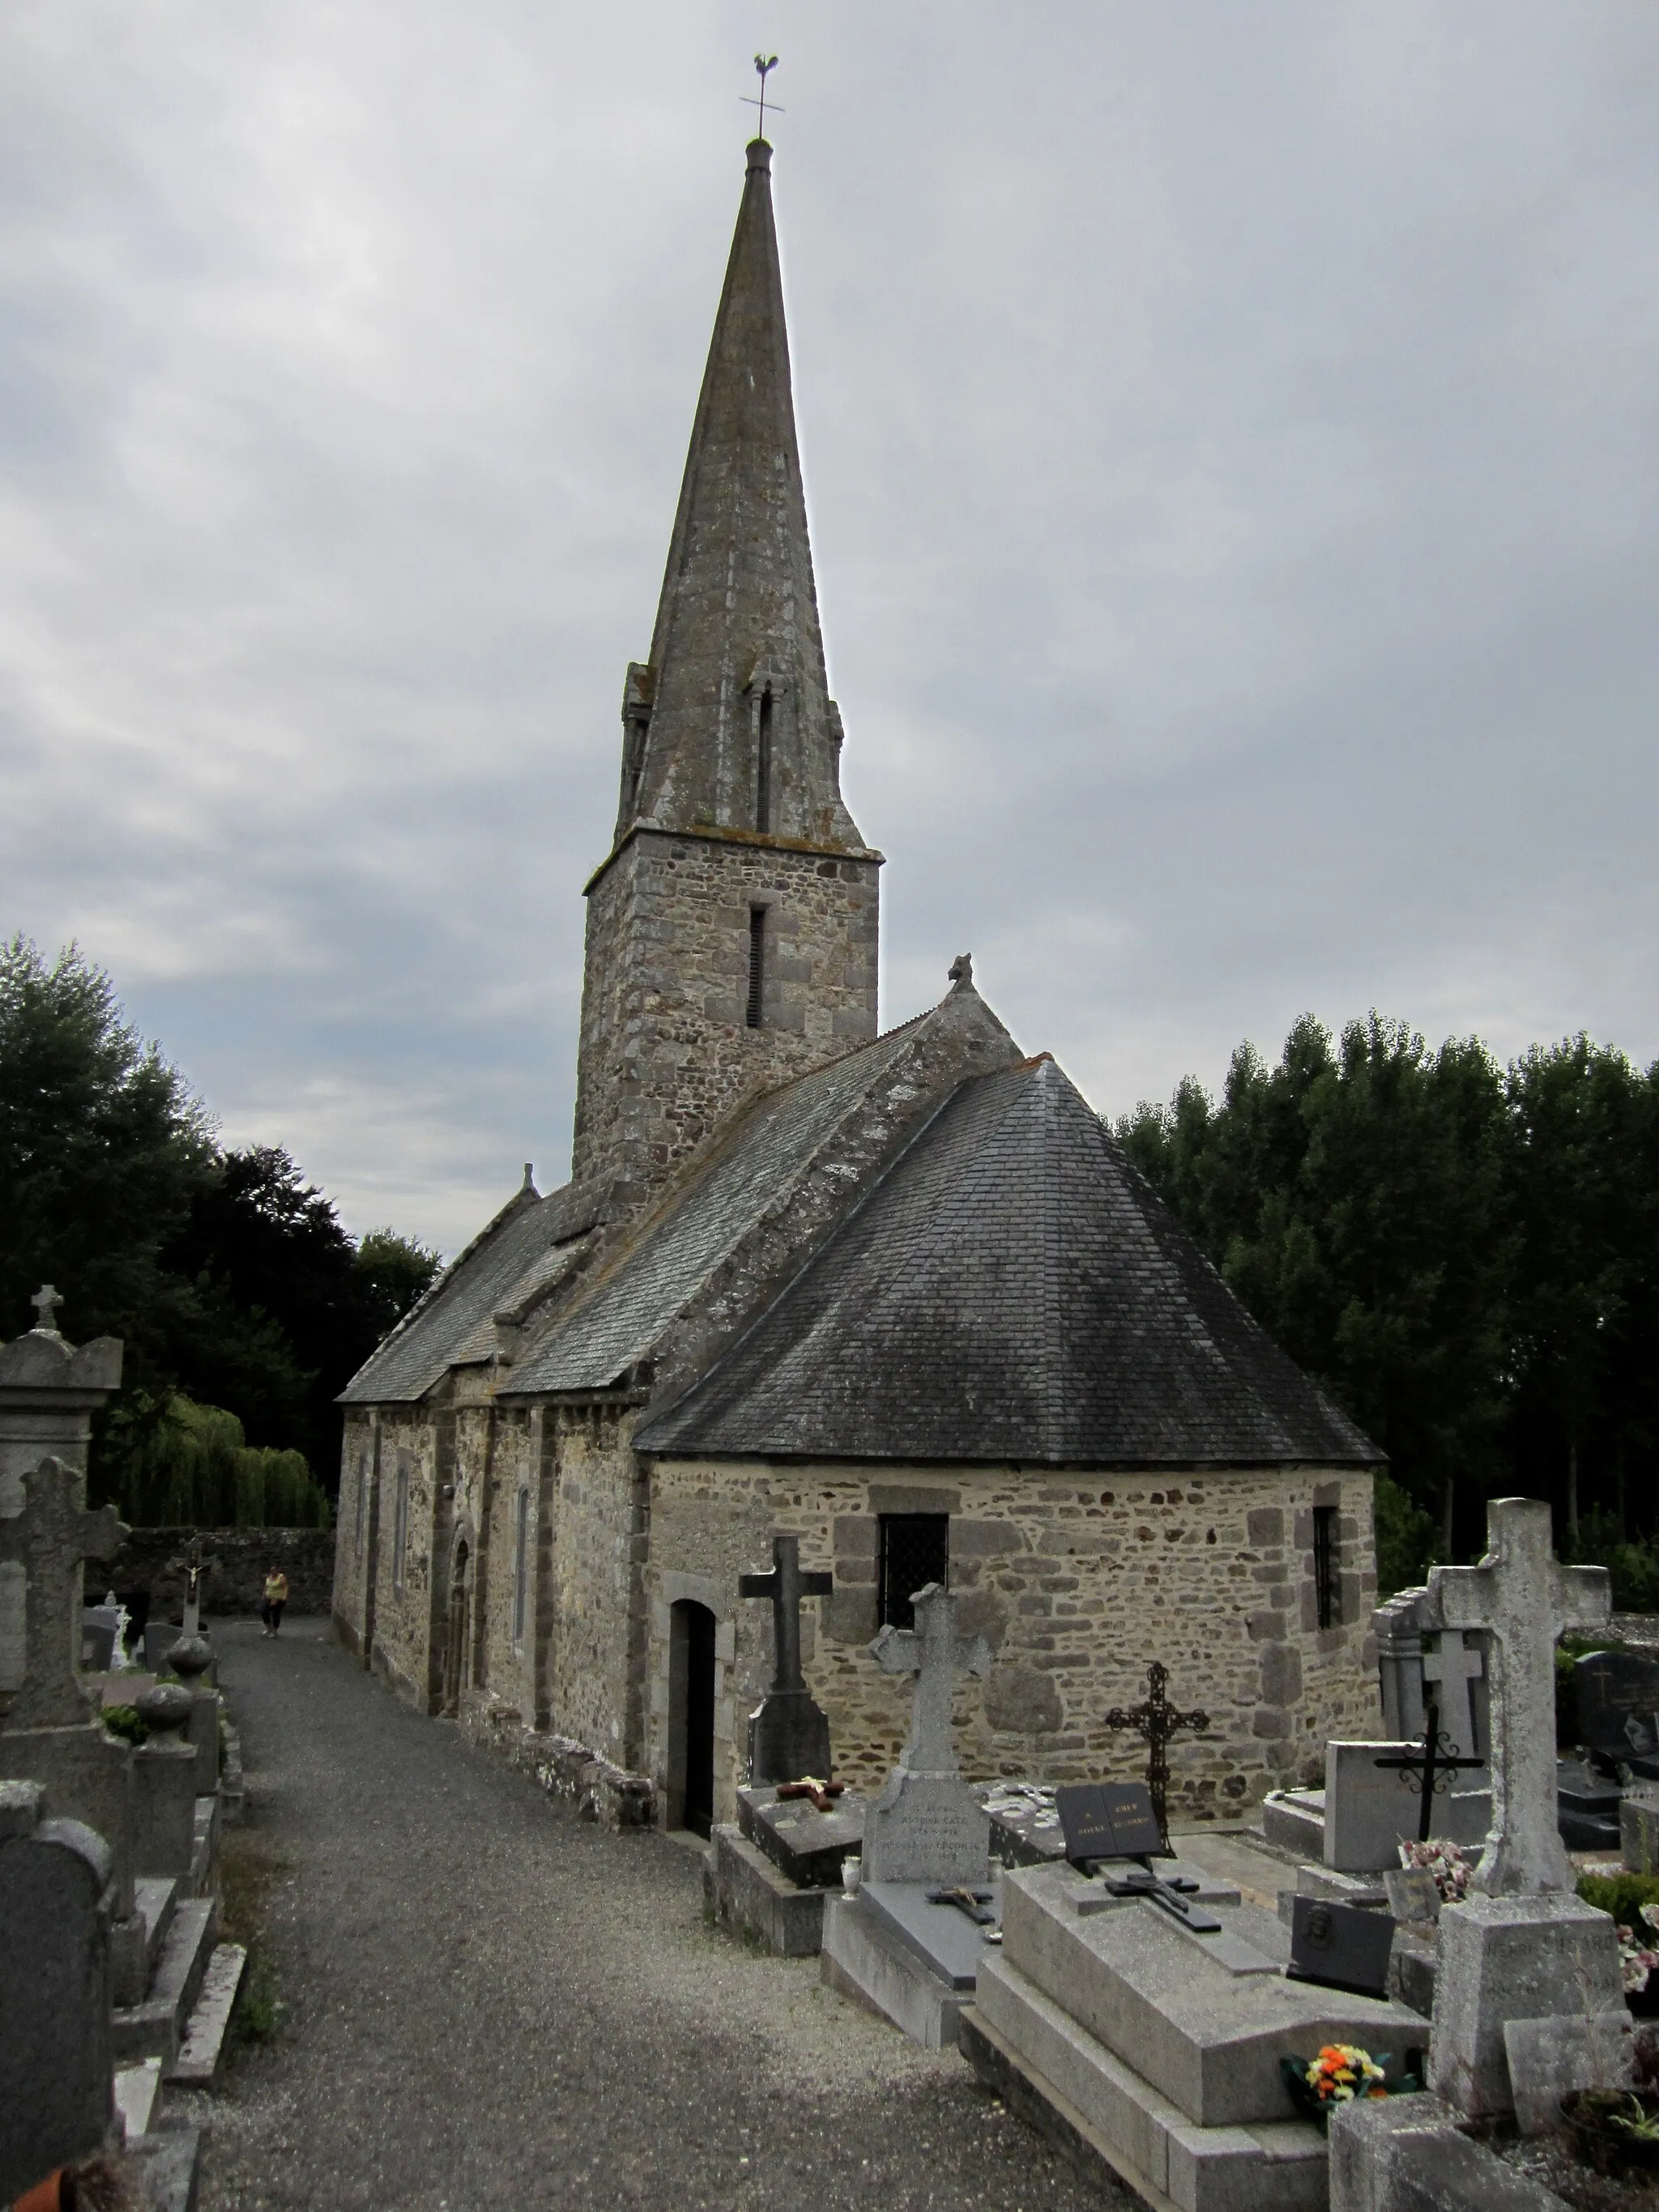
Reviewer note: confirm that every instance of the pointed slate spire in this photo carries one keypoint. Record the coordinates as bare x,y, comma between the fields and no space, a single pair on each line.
730,725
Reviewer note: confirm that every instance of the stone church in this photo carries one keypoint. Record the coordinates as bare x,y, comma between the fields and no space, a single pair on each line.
899,1293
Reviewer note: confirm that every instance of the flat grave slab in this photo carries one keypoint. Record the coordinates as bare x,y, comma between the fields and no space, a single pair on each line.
803,1844
1204,2019
944,1940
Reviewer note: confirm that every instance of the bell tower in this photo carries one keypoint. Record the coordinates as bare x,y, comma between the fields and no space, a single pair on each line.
731,930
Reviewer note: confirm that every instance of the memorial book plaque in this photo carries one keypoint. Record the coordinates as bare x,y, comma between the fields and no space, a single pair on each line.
1106,1820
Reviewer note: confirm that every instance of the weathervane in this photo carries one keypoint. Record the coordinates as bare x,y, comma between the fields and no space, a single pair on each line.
764,63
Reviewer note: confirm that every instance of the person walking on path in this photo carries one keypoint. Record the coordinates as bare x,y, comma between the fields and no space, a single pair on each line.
276,1598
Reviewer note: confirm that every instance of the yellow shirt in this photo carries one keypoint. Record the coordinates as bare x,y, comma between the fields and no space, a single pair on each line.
275,1589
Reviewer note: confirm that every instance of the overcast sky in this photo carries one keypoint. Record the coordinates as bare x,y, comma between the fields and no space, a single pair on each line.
1232,438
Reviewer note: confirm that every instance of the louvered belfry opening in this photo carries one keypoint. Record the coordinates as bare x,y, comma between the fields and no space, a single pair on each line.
756,964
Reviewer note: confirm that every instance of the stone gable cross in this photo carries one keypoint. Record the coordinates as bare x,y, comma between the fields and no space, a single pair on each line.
1523,1598
41,1551
935,1654
786,1586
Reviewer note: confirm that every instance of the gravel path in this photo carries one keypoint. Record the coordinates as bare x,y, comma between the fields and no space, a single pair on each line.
489,2004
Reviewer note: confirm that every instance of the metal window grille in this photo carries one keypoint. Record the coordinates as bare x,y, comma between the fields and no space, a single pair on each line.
915,1549
764,769
1326,1587
521,1570
400,1523
756,963
362,1500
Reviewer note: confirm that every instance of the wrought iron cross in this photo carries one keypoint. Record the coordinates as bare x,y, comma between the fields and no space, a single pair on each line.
1157,1719
764,65
787,1586
1429,1764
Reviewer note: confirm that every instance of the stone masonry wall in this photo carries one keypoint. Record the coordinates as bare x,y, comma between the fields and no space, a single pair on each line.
1078,1580
598,1539
664,1049
145,1562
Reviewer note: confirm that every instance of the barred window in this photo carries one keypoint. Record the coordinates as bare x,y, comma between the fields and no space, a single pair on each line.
521,1567
756,963
915,1549
1328,1587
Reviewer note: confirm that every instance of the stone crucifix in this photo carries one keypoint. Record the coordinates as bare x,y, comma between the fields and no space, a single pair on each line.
935,1655
1524,1599
788,1732
194,1564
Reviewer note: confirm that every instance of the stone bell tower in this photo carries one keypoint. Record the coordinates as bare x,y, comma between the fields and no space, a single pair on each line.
731,931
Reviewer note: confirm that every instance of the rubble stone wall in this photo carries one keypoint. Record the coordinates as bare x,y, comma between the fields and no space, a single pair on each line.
665,1047
236,1586
1078,1580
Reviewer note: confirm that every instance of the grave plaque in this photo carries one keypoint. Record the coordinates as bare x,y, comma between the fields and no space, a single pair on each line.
1619,1706
1548,2059
1339,1947
1108,1820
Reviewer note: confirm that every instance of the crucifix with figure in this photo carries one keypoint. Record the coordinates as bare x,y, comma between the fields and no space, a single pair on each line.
1157,1719
1524,1599
788,1732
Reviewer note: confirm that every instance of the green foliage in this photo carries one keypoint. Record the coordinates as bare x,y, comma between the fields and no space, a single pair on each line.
1465,1257
190,1469
1633,1564
127,1723
1407,1540
229,1279
1623,1895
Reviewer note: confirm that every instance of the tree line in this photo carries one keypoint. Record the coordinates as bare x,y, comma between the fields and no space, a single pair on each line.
244,1304
1465,1256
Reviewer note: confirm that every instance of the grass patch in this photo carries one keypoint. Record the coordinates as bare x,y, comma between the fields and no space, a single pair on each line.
247,1873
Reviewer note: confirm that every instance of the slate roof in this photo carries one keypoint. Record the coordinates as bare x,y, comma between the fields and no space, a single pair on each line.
616,1320
522,1253
1010,1288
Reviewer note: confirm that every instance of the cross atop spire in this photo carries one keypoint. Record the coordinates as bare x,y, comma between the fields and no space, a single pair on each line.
730,724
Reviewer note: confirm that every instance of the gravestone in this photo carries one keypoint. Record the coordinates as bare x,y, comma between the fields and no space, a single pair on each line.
1158,1720
1371,1810
1618,1694
50,1731
55,2100
49,1391
926,1825
1523,1946
1549,2058
1455,1676
788,1732
1398,1627
806,1840
1638,1828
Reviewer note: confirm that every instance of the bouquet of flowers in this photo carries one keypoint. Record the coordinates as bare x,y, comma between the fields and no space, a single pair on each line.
1637,1958
1449,1863
1341,2072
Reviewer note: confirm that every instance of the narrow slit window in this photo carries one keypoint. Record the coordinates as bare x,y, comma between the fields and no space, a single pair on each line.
756,964
764,770
400,1523
521,1570
1328,1592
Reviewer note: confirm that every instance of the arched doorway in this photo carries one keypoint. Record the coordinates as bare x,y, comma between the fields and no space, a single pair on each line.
691,1718
455,1633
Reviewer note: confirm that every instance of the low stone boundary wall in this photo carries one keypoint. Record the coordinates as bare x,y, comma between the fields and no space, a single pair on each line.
564,1768
145,1562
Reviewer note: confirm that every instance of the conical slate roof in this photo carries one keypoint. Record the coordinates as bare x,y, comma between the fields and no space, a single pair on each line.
739,612
1011,1289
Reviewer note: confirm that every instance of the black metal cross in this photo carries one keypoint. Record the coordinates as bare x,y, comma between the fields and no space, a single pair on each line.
1427,1764
764,65
1158,1720
786,1586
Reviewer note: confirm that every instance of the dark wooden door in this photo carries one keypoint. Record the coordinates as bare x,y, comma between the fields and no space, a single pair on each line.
699,1719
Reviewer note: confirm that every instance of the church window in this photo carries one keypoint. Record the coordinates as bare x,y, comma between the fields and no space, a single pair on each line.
362,1498
521,1566
400,1523
763,765
1328,1591
915,1549
756,964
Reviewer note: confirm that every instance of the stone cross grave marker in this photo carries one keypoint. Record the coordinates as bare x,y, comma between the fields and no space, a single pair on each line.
1454,1670
41,1552
935,1654
788,1732
1523,1598
46,1302
926,1825
1158,1721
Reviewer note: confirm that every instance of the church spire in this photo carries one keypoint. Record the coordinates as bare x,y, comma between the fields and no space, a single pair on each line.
730,725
